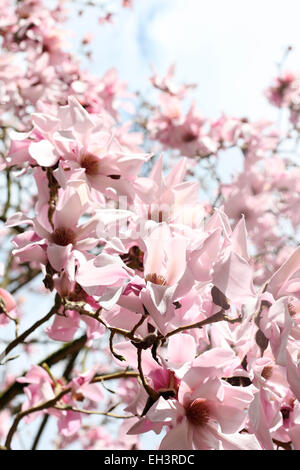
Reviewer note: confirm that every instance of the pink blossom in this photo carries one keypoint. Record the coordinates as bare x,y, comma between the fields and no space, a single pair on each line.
8,306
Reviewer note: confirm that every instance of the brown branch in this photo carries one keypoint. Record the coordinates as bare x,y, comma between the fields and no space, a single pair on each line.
283,445
8,194
115,375
24,279
139,323
80,309
219,316
111,346
22,414
152,393
68,349
66,375
23,336
92,412
40,432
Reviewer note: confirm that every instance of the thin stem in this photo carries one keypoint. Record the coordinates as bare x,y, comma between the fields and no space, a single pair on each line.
139,323
111,346
82,311
92,412
68,349
115,375
219,316
24,279
40,432
8,197
22,414
23,336
152,393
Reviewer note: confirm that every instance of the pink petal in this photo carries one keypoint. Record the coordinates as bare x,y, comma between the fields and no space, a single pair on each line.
181,349
233,276
43,153
177,438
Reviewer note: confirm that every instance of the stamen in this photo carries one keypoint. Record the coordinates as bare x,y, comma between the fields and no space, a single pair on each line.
189,137
156,279
157,216
197,412
267,372
91,163
291,309
63,236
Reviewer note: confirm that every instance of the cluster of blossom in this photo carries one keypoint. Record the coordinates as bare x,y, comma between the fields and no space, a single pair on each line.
157,272
200,340
285,93
265,192
189,133
47,72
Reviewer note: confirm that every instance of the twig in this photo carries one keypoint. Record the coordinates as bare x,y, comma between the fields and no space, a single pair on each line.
23,336
219,316
22,414
92,412
68,349
40,431
115,375
8,196
139,323
152,393
111,346
66,375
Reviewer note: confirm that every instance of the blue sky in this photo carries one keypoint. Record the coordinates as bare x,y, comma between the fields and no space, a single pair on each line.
229,48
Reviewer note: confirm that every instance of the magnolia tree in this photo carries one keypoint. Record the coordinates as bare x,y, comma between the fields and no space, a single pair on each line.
174,296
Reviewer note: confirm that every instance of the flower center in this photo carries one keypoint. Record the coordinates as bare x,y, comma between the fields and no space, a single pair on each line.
267,372
91,164
156,279
157,216
63,236
285,411
197,412
189,137
292,309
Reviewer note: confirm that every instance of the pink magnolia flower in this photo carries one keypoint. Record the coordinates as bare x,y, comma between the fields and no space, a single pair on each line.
199,418
64,243
279,94
166,85
64,327
7,305
168,199
188,134
104,276
285,281
276,324
82,385
40,389
86,147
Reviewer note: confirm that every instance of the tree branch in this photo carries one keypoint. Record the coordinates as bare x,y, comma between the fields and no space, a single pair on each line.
30,330
219,316
68,349
40,432
66,375
92,412
22,414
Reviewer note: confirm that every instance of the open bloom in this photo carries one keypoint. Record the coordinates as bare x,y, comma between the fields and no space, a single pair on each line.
208,414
